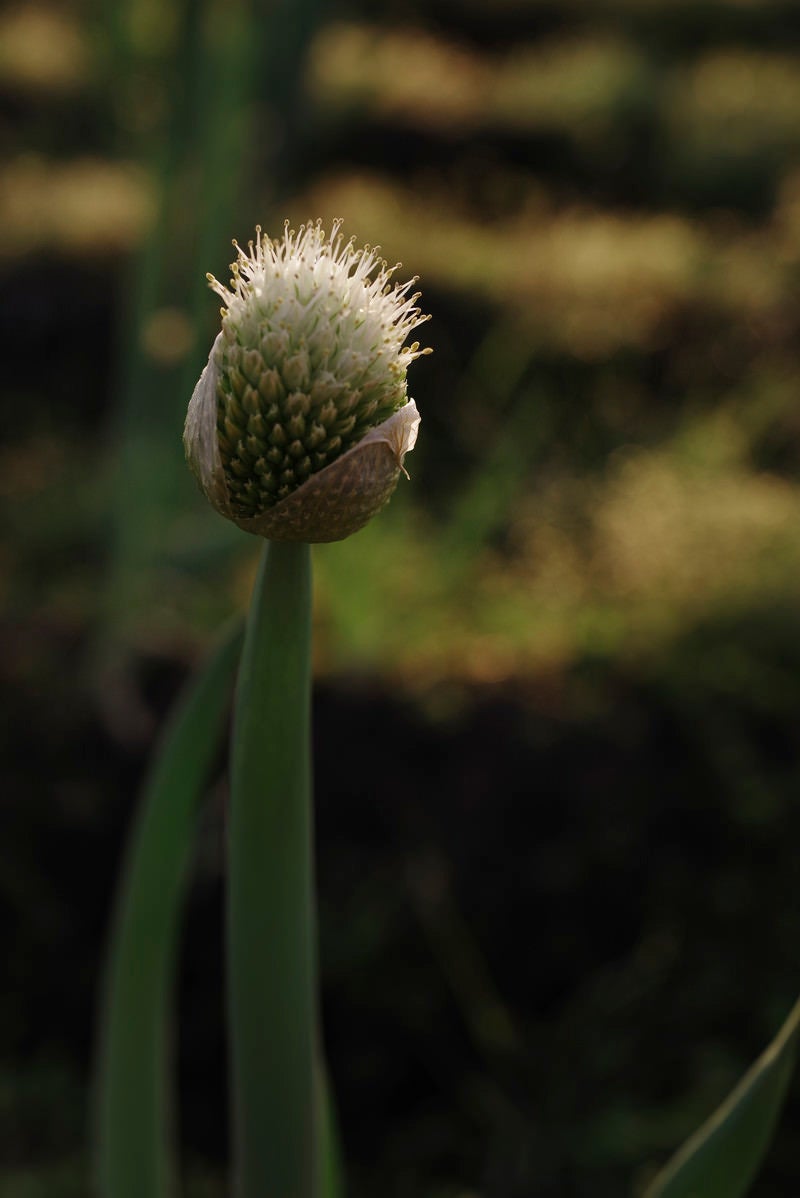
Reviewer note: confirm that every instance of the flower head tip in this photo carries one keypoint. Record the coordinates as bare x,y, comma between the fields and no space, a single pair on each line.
299,424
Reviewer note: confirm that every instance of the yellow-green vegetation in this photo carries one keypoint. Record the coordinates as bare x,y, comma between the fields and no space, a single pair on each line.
676,513
576,85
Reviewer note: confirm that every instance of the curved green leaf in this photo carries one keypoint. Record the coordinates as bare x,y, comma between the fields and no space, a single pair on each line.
723,1156
133,1153
330,1182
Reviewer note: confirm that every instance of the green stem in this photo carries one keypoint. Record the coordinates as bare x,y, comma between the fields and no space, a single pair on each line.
271,917
133,1115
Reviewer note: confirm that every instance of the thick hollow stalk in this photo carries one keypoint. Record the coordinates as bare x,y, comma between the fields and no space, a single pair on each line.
271,920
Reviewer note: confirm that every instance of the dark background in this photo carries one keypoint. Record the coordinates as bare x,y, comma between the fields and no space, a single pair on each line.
557,685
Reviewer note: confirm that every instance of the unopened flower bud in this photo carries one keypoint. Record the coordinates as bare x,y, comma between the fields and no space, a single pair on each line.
300,421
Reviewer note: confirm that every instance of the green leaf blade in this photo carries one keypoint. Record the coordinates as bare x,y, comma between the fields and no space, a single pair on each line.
721,1159
133,1117
330,1183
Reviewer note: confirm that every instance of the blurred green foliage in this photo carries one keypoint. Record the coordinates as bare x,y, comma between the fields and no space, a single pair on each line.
602,200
